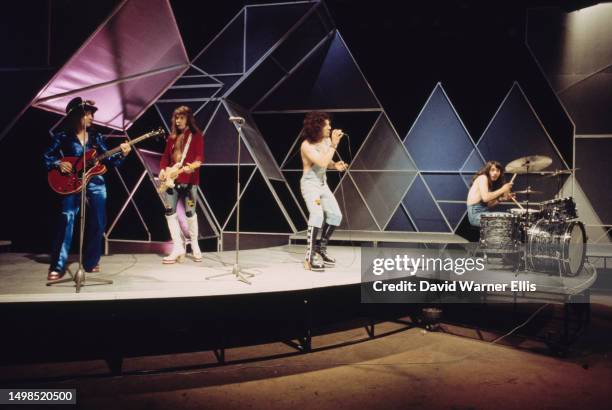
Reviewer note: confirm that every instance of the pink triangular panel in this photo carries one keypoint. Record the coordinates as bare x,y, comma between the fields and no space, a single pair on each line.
132,58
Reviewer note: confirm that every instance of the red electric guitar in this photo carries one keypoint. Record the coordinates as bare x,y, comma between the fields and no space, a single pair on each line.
73,181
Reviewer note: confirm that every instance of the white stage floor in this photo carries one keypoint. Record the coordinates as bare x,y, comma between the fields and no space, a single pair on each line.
276,269
393,237
143,276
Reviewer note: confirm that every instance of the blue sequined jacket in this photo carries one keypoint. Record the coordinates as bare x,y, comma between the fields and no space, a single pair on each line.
65,144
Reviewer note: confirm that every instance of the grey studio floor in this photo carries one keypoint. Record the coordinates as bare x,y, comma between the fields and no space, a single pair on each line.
403,367
407,369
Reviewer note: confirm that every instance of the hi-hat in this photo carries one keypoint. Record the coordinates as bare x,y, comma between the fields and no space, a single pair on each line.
527,191
529,163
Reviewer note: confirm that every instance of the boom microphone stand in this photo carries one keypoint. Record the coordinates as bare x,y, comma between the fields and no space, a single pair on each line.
79,278
237,271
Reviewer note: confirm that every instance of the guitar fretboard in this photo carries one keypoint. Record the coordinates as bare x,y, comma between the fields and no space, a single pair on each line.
115,150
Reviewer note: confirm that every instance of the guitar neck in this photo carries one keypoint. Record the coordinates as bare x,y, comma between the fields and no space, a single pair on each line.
115,150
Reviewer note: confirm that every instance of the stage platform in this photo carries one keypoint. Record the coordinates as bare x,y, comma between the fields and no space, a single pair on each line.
376,237
276,269
601,251
143,276
154,309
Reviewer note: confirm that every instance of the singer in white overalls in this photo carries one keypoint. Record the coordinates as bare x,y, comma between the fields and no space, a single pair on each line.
317,151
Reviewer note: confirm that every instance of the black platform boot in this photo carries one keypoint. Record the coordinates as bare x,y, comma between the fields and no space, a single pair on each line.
312,261
326,233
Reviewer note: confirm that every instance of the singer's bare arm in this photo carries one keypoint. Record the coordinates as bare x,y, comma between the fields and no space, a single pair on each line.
337,165
332,163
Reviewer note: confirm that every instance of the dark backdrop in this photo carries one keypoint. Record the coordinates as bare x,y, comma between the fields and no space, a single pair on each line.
476,49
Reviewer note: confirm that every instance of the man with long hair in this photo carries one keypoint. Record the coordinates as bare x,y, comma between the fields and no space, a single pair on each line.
488,189
183,155
70,143
317,151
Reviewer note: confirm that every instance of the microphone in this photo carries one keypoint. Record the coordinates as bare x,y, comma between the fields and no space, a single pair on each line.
237,120
344,134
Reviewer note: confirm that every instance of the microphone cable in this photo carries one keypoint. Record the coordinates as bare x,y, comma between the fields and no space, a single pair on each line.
345,213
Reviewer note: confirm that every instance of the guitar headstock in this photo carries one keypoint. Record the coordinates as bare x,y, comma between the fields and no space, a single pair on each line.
159,132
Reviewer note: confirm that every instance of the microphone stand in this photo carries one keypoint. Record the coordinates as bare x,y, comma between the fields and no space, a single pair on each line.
237,271
79,278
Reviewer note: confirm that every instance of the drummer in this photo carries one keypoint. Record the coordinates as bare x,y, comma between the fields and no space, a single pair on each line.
487,191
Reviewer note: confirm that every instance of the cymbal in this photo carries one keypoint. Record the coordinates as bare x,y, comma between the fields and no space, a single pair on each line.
530,163
527,191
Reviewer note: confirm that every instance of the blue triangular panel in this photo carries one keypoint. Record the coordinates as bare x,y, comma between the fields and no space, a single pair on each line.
383,150
467,179
446,186
423,209
400,222
453,212
515,132
357,215
328,79
473,164
438,141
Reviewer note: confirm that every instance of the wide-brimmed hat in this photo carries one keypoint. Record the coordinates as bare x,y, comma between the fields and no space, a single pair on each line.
78,105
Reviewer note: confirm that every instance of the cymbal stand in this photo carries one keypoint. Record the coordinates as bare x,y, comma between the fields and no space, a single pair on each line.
526,219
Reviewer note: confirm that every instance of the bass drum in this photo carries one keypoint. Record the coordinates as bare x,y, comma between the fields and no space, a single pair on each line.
556,247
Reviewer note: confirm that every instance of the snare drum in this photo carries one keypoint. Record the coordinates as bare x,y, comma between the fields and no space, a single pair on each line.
532,215
556,247
562,209
498,232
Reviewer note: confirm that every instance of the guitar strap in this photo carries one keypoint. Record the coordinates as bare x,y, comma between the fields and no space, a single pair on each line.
185,149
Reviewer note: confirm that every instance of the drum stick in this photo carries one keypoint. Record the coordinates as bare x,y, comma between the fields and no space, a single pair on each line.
512,181
520,206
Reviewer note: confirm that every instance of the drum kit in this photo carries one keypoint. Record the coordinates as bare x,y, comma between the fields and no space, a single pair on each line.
548,238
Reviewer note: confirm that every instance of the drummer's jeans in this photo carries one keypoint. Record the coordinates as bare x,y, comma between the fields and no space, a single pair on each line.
475,212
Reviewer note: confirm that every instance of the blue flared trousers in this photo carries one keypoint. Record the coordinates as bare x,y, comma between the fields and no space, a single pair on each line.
96,223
